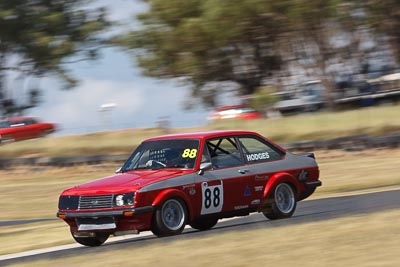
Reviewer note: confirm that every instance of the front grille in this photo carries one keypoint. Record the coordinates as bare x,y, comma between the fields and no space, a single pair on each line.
95,202
68,203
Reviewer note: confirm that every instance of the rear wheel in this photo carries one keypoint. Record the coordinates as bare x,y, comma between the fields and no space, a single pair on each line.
169,218
282,203
204,224
92,240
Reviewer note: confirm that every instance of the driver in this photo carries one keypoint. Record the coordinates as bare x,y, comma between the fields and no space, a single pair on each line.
172,158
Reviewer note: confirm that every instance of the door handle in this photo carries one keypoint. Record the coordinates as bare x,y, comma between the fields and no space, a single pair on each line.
243,171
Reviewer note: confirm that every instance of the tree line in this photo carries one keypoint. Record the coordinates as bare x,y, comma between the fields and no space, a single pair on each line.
210,45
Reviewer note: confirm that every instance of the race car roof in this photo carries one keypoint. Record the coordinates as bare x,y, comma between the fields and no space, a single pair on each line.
202,135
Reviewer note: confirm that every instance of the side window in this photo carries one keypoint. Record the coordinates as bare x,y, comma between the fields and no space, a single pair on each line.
18,123
256,150
29,121
224,152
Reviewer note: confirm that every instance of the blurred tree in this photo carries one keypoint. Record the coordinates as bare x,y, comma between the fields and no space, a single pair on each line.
263,98
208,42
38,37
384,17
315,39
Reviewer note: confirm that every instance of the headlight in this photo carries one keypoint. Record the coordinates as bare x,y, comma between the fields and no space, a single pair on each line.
119,200
127,199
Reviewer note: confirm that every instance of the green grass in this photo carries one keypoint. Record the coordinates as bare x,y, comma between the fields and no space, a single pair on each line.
312,126
360,240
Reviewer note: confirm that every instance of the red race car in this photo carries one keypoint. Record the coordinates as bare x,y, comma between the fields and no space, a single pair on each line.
234,112
15,129
196,179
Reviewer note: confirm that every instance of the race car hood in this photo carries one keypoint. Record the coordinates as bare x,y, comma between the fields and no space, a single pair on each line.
124,182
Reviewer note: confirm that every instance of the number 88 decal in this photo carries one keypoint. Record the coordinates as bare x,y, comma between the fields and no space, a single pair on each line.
212,198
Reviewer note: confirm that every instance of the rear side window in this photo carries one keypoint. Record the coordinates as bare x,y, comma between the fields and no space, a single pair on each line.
224,152
257,150
29,121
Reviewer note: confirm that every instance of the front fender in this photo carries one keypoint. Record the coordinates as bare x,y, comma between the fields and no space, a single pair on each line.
282,177
174,193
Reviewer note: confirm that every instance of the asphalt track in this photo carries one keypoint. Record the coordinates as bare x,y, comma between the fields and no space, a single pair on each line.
307,211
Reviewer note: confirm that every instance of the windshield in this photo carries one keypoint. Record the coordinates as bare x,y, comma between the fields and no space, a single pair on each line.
177,153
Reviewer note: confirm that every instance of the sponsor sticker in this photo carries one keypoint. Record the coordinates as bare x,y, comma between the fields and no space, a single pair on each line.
255,202
191,188
257,156
241,207
261,177
302,176
188,186
258,188
192,192
247,191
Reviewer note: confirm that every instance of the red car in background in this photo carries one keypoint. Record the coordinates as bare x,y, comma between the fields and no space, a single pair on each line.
234,112
15,129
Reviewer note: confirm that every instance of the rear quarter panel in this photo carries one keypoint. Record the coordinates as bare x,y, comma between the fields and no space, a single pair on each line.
288,170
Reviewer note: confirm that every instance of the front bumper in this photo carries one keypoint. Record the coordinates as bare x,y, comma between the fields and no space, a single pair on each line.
96,214
112,221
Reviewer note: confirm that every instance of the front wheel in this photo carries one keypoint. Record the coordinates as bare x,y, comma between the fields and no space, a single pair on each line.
6,138
282,203
94,240
169,218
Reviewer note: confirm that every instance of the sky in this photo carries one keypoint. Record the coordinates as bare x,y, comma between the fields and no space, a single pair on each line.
114,79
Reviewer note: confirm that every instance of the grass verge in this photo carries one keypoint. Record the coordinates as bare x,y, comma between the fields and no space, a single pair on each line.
323,125
312,126
364,240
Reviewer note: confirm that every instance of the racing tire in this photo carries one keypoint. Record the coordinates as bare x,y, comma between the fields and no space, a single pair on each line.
169,218
282,203
204,224
92,241
44,133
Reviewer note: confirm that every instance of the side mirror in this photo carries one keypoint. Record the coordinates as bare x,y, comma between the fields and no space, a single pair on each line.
204,166
118,170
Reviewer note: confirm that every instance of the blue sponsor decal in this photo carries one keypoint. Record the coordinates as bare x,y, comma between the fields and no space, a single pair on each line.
247,192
